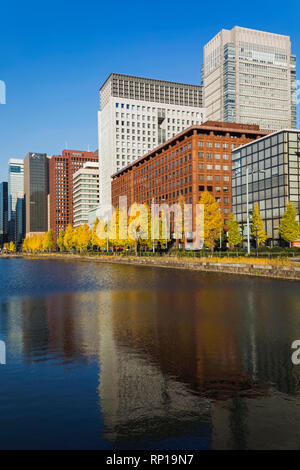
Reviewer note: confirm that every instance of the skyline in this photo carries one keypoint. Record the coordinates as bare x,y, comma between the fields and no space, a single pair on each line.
74,52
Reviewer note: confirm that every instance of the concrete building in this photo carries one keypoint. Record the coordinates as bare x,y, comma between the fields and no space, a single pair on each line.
3,213
85,192
36,190
20,220
249,77
61,170
138,114
274,179
195,160
15,187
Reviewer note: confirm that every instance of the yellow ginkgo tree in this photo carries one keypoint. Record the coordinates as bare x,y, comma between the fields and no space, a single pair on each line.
257,227
213,221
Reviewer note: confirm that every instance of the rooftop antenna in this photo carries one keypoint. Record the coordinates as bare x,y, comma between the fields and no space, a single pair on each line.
66,145
88,147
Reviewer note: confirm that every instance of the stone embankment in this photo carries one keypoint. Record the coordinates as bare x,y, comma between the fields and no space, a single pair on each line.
291,271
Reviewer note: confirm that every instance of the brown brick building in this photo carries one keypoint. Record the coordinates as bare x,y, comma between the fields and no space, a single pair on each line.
61,169
195,160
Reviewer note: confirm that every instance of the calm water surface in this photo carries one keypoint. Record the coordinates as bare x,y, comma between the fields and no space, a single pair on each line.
102,356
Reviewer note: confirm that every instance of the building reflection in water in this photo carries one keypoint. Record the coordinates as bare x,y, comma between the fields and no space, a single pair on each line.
205,367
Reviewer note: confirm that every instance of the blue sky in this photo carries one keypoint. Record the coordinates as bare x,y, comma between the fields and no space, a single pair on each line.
54,56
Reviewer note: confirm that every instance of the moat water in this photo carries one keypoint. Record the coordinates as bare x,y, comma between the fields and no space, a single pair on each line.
106,356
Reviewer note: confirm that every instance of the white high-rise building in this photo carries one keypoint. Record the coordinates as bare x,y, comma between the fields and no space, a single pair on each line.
15,187
85,192
249,77
137,115
15,183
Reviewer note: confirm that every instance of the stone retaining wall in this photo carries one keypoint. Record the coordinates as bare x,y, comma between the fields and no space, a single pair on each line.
281,272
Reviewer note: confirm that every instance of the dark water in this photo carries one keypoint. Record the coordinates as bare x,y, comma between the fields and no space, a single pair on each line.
122,357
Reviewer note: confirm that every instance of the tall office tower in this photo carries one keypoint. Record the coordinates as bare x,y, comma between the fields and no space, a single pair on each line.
137,115
15,186
249,77
20,220
3,213
36,190
85,192
61,170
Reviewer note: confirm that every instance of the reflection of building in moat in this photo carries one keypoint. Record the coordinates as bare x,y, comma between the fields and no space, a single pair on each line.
212,364
52,326
175,363
138,399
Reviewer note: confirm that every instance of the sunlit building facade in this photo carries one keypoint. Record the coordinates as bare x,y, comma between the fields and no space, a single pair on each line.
36,190
138,114
274,178
85,192
3,213
15,187
249,77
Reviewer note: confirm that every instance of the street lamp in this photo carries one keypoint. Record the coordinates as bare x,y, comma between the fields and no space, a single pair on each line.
152,224
247,196
163,200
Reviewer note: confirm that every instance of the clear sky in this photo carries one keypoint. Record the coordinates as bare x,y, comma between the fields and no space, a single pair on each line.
55,55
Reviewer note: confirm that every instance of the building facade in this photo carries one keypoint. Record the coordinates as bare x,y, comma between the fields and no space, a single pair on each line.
249,77
137,115
3,213
85,192
61,170
20,221
15,187
274,179
36,190
196,160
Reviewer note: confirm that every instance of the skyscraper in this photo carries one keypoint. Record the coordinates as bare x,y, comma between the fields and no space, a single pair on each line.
61,170
138,114
85,192
36,189
20,220
3,213
249,77
15,187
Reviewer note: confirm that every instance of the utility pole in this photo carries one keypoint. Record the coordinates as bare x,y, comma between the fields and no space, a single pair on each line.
256,241
152,226
107,237
248,223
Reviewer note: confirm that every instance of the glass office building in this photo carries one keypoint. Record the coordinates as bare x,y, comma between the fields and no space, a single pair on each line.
3,213
274,179
15,187
20,221
36,189
249,77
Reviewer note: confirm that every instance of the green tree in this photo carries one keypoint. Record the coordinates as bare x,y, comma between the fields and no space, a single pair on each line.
257,227
289,228
60,240
213,221
234,233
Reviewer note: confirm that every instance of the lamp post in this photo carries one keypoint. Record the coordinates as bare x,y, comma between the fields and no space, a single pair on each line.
107,237
152,225
247,196
248,222
163,200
